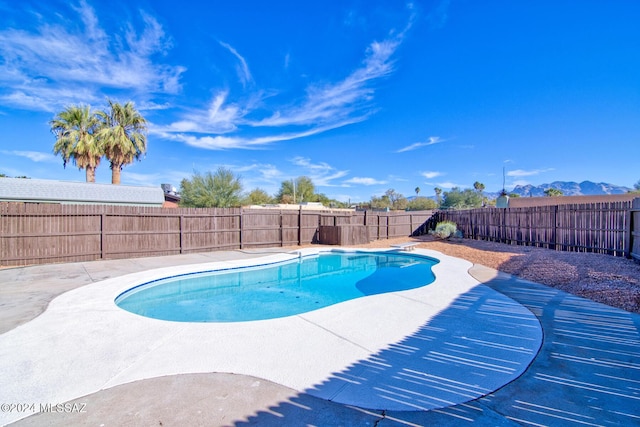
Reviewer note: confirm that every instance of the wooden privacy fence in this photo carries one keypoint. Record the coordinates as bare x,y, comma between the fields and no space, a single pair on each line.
41,233
611,228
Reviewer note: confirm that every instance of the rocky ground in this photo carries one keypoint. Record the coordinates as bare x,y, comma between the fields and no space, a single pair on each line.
614,281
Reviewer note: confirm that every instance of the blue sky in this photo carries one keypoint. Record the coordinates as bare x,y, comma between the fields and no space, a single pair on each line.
359,95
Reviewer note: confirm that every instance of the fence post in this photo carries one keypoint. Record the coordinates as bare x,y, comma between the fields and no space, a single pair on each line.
366,227
181,227
628,233
411,224
300,226
632,230
554,215
240,228
102,222
281,233
387,226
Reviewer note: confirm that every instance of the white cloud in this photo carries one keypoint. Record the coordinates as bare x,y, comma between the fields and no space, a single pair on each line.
270,172
449,185
327,103
321,174
220,142
432,140
520,172
56,64
35,156
243,69
218,118
430,174
364,181
324,107
306,163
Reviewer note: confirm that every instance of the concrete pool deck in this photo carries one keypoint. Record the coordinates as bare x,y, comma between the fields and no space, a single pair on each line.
587,371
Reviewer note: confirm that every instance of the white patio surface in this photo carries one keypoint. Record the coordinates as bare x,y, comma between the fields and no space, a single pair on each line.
449,342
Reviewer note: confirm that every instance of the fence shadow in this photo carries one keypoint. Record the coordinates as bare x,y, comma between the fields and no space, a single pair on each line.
586,373
588,369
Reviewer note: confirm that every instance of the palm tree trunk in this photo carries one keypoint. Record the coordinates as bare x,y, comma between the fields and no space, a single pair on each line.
115,174
91,174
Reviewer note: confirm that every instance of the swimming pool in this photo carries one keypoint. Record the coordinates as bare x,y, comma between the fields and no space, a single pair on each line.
277,290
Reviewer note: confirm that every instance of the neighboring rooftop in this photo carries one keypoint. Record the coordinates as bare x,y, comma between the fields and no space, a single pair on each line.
311,206
68,192
526,202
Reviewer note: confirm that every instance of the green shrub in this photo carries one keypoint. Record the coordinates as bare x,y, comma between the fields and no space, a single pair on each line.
445,230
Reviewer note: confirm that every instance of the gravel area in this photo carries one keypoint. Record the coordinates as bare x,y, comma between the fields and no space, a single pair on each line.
610,280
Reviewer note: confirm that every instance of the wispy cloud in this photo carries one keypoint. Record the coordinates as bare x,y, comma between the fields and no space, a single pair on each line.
226,124
325,103
449,185
256,175
243,69
430,174
520,172
57,64
306,163
364,181
439,15
217,118
431,141
324,108
322,174
220,142
35,156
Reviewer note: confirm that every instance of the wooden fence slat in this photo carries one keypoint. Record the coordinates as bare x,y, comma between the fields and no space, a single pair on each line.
39,233
596,227
45,233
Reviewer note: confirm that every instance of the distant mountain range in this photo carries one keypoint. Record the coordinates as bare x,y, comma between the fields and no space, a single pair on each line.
568,188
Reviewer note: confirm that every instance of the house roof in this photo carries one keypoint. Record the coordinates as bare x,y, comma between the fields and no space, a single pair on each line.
526,202
67,192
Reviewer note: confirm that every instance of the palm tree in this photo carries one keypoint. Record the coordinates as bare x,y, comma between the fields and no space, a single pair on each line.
75,129
417,190
438,193
122,135
479,187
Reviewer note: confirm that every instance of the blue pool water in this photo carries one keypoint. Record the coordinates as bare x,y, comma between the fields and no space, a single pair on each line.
277,290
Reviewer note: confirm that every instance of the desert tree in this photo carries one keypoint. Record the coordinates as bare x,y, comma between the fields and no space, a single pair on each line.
553,192
258,196
297,190
222,189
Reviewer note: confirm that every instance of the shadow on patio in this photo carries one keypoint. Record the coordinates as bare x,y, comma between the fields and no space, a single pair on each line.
444,364
586,373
